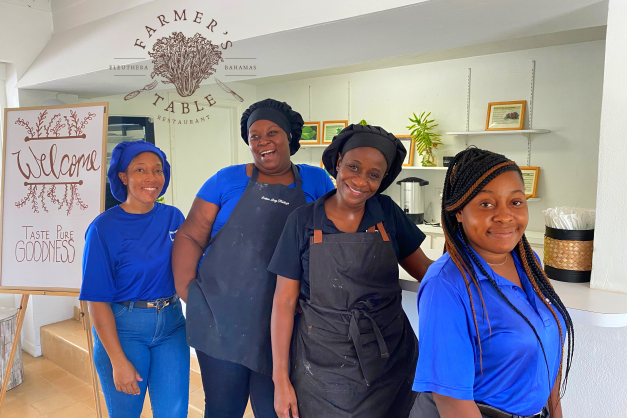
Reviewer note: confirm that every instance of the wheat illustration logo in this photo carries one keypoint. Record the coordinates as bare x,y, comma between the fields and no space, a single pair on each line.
184,62
52,130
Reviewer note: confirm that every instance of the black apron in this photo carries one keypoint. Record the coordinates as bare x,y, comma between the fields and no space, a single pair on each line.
354,352
230,303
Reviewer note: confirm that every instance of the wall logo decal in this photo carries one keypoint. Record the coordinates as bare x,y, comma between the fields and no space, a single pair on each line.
184,60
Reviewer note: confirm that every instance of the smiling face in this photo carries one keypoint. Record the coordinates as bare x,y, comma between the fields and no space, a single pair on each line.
144,179
496,218
359,175
269,146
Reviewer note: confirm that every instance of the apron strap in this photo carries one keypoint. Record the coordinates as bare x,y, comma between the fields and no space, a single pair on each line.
317,236
355,333
384,234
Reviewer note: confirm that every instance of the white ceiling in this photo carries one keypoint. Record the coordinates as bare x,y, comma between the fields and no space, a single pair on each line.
43,5
289,39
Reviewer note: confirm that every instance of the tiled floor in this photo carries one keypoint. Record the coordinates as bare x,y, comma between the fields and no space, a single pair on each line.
48,391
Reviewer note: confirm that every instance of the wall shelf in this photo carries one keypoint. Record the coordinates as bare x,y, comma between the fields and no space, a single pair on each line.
418,167
524,132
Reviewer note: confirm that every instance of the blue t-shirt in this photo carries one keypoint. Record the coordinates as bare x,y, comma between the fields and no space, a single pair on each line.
514,376
225,188
128,256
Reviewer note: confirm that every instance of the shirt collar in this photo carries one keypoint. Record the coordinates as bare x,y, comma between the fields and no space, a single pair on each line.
373,214
498,279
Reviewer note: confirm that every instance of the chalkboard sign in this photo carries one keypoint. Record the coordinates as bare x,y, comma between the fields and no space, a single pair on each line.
54,163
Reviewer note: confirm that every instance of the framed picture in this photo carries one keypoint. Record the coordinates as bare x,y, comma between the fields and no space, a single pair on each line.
530,178
505,116
331,128
311,134
409,146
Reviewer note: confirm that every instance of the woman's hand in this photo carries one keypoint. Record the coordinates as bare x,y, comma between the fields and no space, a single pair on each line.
125,377
281,326
285,400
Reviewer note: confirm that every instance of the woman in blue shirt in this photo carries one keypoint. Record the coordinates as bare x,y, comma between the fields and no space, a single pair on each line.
236,220
492,328
127,279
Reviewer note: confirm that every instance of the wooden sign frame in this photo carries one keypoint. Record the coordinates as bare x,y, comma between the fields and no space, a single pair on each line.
51,291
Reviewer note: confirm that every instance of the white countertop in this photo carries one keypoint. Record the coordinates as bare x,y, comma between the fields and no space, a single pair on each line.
585,305
534,237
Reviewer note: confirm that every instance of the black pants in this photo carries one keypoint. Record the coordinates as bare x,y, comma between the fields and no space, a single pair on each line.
228,385
424,407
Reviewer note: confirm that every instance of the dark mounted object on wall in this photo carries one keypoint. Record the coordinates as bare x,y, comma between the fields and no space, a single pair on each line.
446,161
413,198
568,254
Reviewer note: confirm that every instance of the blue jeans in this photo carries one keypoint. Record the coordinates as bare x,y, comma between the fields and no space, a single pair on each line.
154,342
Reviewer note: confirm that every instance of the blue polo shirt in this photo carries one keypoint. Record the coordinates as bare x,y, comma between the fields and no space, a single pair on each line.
514,376
128,256
226,187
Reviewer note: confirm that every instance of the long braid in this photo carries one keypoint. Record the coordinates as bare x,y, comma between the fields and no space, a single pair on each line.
467,174
551,299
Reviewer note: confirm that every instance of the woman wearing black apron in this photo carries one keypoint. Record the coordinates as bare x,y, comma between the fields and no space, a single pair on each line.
238,215
353,351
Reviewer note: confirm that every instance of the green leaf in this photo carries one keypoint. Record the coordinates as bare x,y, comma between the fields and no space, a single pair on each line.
308,133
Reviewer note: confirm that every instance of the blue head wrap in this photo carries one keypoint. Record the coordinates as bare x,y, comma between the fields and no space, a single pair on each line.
121,157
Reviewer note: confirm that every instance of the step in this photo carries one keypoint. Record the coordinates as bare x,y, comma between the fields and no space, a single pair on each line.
65,344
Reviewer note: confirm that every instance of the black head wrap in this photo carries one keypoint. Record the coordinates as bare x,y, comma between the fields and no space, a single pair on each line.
356,136
278,112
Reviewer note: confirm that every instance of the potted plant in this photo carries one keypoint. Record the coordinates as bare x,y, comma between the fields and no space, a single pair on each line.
425,140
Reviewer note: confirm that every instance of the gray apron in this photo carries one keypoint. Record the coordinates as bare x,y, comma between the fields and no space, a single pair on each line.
354,352
230,303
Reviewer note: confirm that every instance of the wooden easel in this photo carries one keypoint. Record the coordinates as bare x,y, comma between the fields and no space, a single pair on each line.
18,330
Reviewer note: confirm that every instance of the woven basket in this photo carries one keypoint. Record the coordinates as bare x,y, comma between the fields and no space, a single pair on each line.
568,254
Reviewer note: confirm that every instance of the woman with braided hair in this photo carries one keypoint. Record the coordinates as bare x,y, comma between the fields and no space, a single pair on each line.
236,221
492,329
353,351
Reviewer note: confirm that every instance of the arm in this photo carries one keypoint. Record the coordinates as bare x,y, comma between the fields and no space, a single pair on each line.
416,264
455,408
125,376
190,243
281,325
555,404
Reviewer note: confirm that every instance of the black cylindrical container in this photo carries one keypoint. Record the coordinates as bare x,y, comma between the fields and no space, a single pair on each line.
568,254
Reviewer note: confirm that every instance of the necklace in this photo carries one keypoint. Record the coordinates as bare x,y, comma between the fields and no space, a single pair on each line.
499,264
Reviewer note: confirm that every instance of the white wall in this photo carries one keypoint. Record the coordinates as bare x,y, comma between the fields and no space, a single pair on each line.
24,31
610,250
568,87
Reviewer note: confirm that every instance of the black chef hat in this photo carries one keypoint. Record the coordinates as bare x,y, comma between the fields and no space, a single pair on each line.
278,112
355,136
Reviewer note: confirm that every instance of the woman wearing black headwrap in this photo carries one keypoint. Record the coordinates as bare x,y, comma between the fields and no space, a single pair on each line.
236,220
353,351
